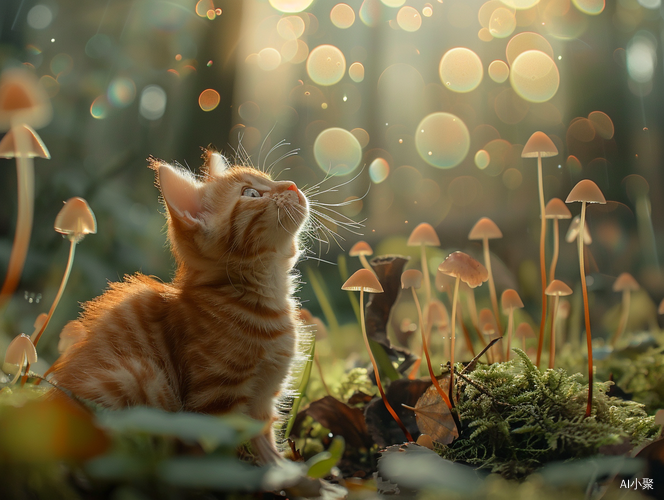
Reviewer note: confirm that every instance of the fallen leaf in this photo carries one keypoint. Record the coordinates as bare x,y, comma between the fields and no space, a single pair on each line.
433,416
341,419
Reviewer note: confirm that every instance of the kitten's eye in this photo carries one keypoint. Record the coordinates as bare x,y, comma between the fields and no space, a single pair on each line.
251,193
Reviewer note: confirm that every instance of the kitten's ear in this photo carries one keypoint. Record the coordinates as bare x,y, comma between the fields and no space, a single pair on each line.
215,163
182,193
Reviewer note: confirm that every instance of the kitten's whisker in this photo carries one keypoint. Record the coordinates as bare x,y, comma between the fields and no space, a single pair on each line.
267,136
345,225
334,188
292,152
273,149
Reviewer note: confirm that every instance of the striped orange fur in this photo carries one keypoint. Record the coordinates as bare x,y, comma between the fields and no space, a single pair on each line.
221,336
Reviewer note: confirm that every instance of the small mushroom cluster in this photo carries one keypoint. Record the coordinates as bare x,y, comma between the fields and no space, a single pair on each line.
459,269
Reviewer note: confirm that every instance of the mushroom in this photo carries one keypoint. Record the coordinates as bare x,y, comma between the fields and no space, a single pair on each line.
556,289
522,331
586,191
412,278
23,104
625,284
365,280
424,235
540,146
445,283
463,267
556,210
361,249
75,220
510,300
485,229
489,328
19,352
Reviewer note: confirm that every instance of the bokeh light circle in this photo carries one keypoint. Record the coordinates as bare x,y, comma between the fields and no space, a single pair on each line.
602,124
342,15
409,19
379,170
534,76
39,17
460,69
502,23
520,4
482,159
427,10
326,65
153,102
499,71
337,151
209,99
269,59
356,72
442,140
528,40
591,7
99,108
290,6
121,92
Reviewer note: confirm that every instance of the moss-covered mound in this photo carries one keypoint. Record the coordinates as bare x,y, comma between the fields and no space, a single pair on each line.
515,418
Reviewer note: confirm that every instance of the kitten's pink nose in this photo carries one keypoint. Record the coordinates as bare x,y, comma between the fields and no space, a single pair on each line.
292,187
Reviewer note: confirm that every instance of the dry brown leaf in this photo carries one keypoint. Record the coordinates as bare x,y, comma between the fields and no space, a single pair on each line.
433,416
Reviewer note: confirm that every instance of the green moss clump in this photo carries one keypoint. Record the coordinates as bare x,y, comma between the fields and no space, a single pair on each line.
641,374
515,418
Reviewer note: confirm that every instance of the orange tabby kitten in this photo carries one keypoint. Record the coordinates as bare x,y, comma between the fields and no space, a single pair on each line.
222,335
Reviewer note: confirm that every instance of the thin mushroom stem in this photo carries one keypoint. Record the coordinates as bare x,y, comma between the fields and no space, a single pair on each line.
624,315
510,327
540,185
585,309
556,250
454,309
375,368
365,263
63,283
25,173
492,286
434,380
552,341
425,272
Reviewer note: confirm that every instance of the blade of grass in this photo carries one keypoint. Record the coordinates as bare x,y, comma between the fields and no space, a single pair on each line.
319,291
383,361
302,388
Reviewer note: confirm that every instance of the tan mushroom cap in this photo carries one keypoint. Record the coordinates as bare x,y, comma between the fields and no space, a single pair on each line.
539,144
411,278
76,219
22,100
573,231
586,190
437,315
660,309
485,228
510,300
556,209
423,234
463,266
17,347
524,330
625,282
363,280
36,148
360,248
558,288
487,322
